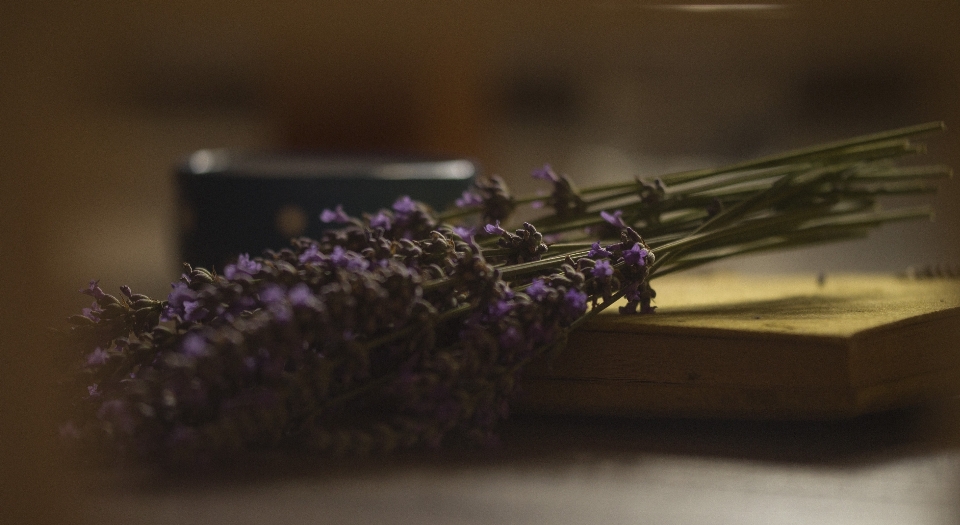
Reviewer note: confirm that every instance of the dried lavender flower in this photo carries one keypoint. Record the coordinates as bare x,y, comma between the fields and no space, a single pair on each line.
565,198
491,195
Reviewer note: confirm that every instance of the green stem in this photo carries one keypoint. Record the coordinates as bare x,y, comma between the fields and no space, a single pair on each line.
543,264
595,310
411,329
910,173
456,213
805,154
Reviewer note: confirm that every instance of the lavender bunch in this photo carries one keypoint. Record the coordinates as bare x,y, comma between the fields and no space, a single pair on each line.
392,343
398,330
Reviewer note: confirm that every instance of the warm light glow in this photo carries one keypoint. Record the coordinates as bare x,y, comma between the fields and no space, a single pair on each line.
714,8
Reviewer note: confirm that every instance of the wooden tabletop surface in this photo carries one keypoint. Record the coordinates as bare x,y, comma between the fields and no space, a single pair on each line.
896,467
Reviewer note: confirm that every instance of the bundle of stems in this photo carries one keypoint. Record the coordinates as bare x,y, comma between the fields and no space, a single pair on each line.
399,330
813,195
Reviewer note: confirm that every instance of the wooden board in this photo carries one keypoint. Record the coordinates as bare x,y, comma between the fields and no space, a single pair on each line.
766,347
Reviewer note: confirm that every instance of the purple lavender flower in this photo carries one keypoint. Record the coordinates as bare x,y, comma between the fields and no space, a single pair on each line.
274,298
194,311
468,199
195,345
465,233
636,256
494,229
381,220
499,309
614,219
564,198
312,255
93,390
602,269
404,206
598,252
552,238
272,293
638,294
336,215
545,173
92,313
302,296
537,290
97,357
575,301
348,260
244,265
93,290
179,294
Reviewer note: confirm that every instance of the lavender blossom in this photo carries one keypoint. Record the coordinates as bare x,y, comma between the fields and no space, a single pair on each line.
602,269
537,290
382,221
404,206
93,312
93,390
566,199
575,302
545,173
93,290
97,358
491,194
348,260
614,219
597,252
636,256
312,255
195,345
494,229
468,199
180,294
524,245
337,215
302,296
194,311
465,233
243,267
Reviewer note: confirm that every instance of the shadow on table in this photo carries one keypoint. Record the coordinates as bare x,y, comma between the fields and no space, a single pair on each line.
558,442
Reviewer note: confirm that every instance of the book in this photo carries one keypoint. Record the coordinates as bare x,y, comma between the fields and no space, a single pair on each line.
761,347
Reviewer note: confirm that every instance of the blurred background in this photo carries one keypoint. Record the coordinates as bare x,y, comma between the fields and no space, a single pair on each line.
108,97
100,100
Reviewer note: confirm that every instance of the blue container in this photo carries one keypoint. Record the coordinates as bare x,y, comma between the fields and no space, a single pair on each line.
233,203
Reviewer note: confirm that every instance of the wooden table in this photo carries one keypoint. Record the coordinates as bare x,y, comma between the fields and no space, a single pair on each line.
894,468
